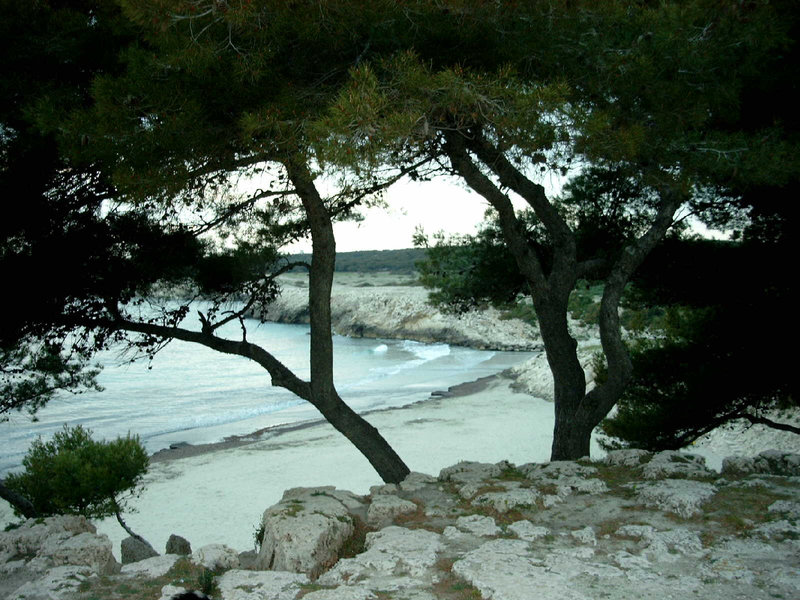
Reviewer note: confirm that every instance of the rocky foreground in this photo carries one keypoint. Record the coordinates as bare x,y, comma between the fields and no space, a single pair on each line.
634,525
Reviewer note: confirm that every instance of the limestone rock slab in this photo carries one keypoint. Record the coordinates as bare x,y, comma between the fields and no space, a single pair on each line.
386,507
416,481
503,570
28,538
391,552
680,496
505,501
471,471
525,530
344,592
155,566
770,462
57,583
670,463
260,585
478,525
628,457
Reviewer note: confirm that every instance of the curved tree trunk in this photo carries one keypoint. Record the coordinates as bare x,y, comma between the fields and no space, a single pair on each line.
124,525
20,503
324,397
577,413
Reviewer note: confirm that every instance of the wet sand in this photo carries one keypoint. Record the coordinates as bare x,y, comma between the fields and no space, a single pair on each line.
182,450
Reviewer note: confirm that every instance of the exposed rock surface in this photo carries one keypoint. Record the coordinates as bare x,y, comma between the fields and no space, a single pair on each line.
385,507
59,582
403,313
178,545
304,532
43,558
216,557
133,550
634,525
260,585
771,462
155,566
535,378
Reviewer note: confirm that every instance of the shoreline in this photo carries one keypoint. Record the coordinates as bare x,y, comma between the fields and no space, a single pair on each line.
181,450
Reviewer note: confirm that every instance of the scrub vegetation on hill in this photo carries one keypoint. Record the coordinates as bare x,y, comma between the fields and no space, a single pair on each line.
368,261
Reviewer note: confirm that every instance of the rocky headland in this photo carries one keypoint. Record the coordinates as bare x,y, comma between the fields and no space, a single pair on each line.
376,310
632,525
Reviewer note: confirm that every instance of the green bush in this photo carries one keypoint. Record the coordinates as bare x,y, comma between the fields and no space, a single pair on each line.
74,474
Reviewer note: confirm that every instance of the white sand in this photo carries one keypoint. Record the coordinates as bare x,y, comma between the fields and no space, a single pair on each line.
219,497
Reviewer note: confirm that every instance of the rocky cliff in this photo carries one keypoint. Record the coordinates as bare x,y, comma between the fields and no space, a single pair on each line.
403,313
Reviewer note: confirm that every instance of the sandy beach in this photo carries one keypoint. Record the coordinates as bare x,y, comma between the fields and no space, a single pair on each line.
216,493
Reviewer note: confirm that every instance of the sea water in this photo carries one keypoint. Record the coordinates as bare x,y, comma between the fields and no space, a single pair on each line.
189,393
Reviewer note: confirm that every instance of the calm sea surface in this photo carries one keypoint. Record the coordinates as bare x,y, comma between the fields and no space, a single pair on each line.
193,394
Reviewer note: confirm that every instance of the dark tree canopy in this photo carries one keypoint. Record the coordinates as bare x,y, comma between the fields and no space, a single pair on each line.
147,140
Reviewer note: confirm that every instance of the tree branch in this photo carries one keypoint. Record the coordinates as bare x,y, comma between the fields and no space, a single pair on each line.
602,398
527,260
758,420
281,375
18,501
533,193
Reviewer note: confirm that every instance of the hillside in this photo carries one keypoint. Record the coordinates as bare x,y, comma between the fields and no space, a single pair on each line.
370,261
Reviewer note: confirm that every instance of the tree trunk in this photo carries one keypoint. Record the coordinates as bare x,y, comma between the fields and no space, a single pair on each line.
324,397
20,503
124,525
570,438
571,431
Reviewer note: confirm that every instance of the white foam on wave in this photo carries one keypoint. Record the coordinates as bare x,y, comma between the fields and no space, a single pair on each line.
426,352
382,349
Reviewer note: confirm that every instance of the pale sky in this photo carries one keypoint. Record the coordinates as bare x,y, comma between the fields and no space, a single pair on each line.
440,204
433,204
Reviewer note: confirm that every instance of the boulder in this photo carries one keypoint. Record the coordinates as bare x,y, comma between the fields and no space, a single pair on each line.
385,507
471,472
415,481
628,457
304,532
85,549
216,557
28,539
503,502
155,566
168,592
568,477
133,550
178,545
